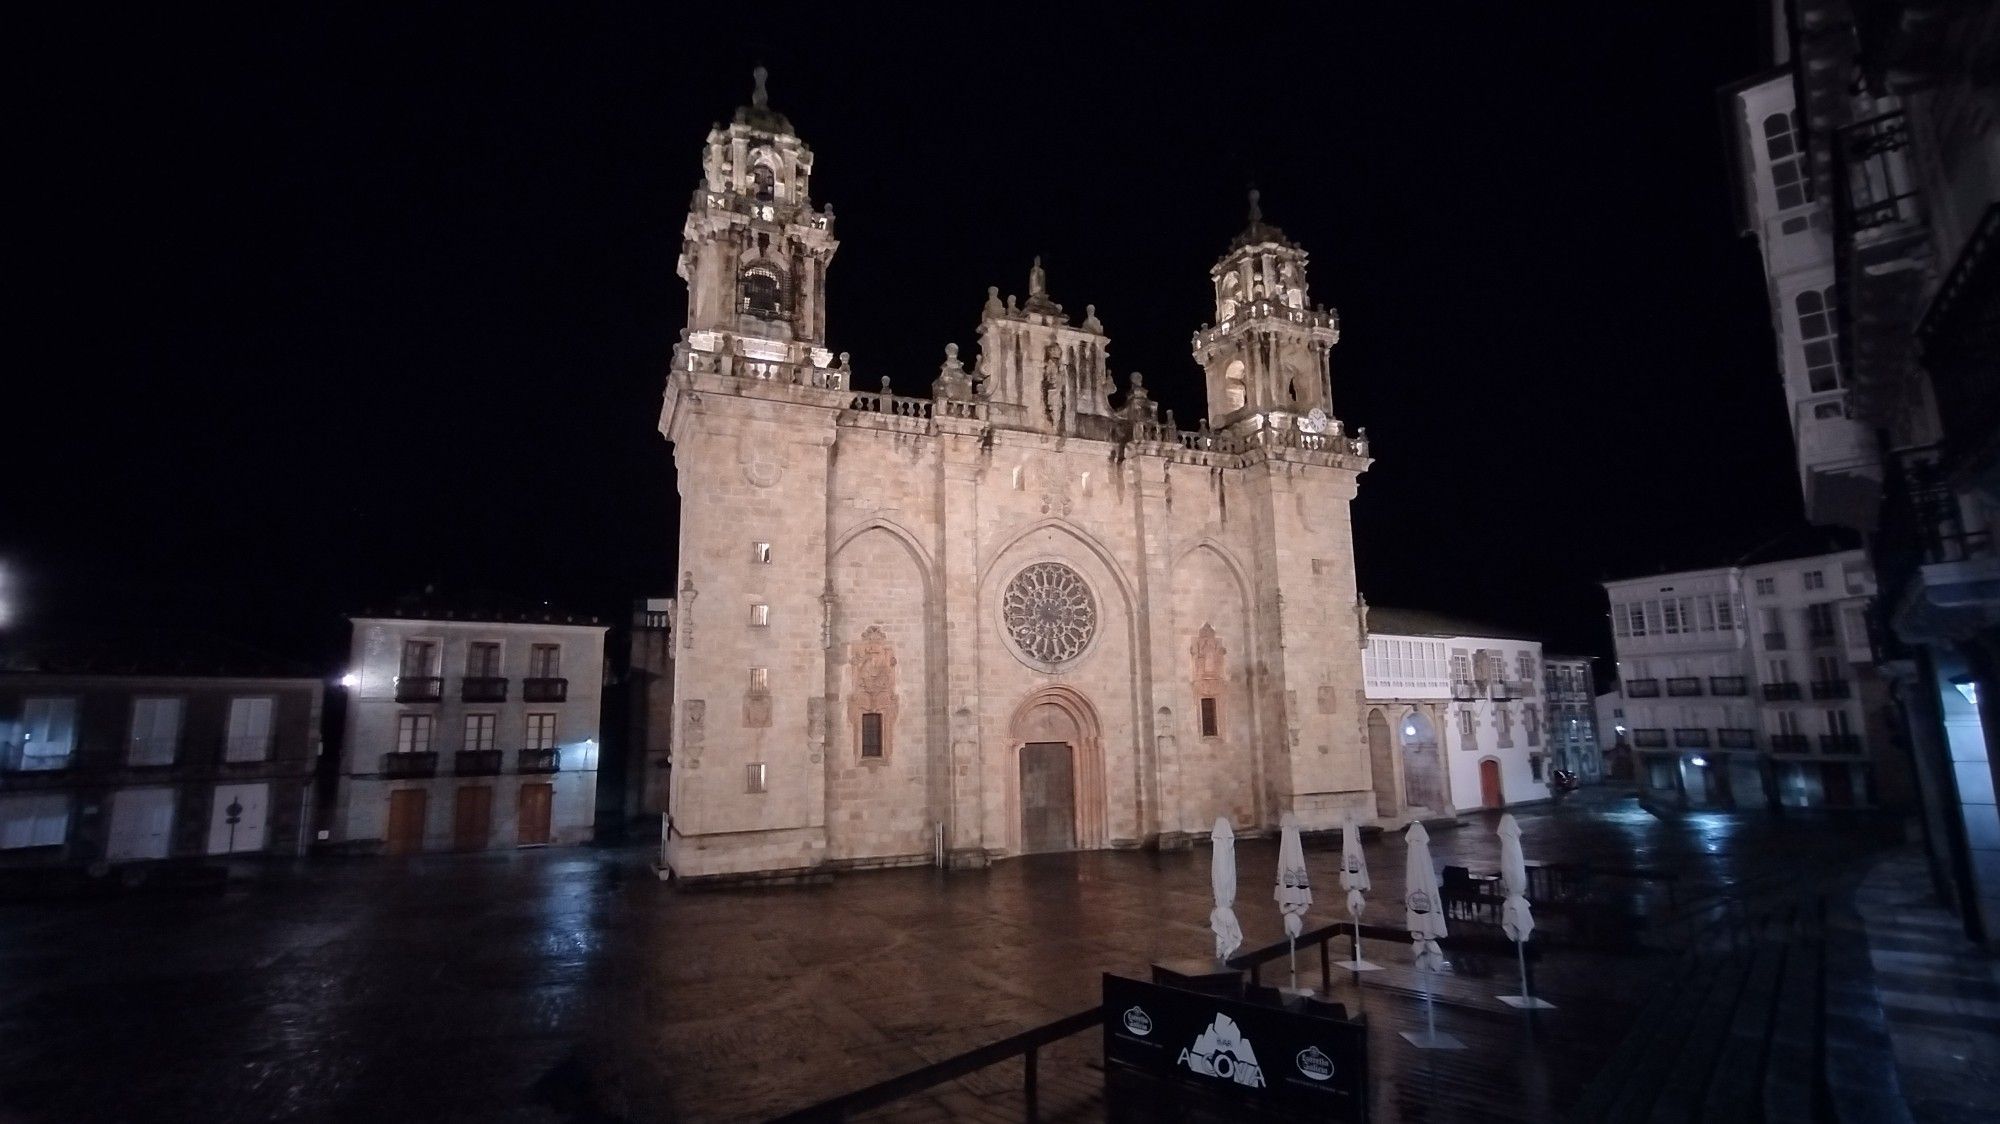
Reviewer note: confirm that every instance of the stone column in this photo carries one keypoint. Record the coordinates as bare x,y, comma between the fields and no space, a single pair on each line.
955,627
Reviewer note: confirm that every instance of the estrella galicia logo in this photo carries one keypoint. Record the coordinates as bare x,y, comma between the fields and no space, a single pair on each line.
1222,1051
1315,1064
1138,1022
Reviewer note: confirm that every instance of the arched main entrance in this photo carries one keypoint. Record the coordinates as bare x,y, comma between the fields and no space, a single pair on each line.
1059,772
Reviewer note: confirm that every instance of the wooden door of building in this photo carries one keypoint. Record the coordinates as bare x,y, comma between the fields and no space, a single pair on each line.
472,818
1048,797
1490,795
406,821
535,802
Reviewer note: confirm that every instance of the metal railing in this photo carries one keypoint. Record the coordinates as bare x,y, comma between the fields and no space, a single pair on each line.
538,761
545,689
476,762
1830,689
1736,738
1642,688
1025,1045
1780,692
483,688
419,688
1683,688
402,765
1728,685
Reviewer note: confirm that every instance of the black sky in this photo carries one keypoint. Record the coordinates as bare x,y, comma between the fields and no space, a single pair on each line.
328,304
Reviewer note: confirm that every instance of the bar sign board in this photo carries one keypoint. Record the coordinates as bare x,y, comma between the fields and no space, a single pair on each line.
1251,1054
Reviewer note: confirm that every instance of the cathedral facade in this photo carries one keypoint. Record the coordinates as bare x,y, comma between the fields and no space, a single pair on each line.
1024,612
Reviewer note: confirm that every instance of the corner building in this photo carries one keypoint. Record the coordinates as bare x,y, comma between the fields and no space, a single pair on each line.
1023,613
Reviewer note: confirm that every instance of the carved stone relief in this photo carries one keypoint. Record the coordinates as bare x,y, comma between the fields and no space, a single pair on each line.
692,730
871,687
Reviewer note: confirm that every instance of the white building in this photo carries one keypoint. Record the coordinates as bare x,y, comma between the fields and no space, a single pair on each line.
1454,715
1750,685
1569,694
470,734
1005,614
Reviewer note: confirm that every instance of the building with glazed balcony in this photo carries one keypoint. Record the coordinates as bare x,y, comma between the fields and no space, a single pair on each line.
1454,715
469,732
1868,168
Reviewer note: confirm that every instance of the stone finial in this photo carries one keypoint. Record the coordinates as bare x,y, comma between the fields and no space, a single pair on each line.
1090,321
843,360
1138,382
951,354
1256,211
993,306
758,96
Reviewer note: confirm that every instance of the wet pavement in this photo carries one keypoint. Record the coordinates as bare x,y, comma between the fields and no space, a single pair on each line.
573,986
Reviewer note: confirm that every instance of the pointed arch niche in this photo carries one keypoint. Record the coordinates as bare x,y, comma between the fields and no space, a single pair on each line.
1055,713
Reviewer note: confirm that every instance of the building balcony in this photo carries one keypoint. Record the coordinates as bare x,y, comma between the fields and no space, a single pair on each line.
398,766
1840,743
1823,638
544,690
1774,641
15,758
1690,738
1728,685
1642,688
539,760
1781,692
1790,743
419,688
1683,688
1736,738
476,762
1829,689
1649,739
483,689
1465,690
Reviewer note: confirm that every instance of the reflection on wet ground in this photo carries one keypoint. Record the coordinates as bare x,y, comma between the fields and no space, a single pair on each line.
573,986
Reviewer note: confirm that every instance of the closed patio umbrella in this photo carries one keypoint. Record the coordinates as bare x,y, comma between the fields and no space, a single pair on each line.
1354,879
1222,878
1423,914
1294,889
1516,920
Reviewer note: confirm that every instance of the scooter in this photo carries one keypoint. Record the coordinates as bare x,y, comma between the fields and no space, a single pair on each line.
1563,782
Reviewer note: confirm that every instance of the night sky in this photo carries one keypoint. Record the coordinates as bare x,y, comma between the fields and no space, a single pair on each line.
327,305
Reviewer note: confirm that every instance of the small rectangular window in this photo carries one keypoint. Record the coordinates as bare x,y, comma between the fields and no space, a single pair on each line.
871,734
156,731
419,659
1209,726
760,678
541,731
482,659
1465,722
249,729
545,661
1815,579
753,777
413,733
760,553
478,732
760,615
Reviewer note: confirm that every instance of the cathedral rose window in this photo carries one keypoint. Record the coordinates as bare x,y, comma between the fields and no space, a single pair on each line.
1050,613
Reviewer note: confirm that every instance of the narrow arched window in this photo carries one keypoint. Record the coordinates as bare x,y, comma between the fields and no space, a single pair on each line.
1233,390
763,183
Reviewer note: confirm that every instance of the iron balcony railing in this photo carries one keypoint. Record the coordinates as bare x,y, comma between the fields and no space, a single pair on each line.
483,689
1736,738
1829,689
1840,743
1690,738
1790,743
1879,191
476,762
419,688
1650,738
1780,692
1728,685
402,765
539,760
544,689
1642,688
1683,687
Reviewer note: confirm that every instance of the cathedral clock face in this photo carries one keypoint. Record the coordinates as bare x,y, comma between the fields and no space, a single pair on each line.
1050,615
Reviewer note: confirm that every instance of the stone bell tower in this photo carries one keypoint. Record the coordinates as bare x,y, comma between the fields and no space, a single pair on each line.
1268,351
754,252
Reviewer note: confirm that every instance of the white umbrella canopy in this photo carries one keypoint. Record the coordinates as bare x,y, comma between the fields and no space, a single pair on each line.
1222,878
1515,917
1294,889
1353,865
1423,909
